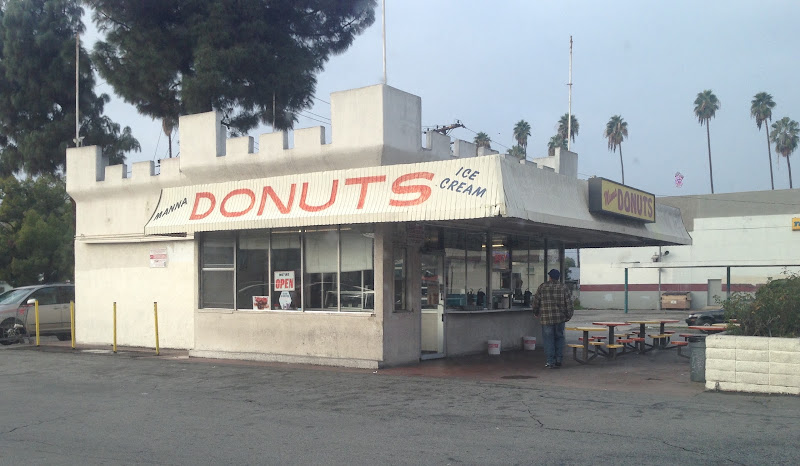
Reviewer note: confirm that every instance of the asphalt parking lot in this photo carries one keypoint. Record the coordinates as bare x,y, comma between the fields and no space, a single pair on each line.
90,406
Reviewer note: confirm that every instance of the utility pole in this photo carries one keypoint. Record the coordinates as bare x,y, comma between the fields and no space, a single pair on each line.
78,139
569,112
383,36
447,128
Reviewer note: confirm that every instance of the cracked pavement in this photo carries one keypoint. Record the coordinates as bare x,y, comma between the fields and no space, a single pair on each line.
88,408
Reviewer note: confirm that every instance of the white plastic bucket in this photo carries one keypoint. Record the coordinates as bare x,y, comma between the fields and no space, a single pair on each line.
529,343
494,346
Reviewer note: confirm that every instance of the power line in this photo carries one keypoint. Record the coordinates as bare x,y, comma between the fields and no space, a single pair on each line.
321,116
492,140
323,101
312,118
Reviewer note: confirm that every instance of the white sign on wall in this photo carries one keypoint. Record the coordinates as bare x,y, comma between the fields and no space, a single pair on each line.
284,280
158,257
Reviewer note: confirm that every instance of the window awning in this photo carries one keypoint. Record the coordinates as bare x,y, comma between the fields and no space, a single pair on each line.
492,187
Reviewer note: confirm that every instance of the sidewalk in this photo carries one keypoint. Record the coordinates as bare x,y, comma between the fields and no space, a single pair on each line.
656,372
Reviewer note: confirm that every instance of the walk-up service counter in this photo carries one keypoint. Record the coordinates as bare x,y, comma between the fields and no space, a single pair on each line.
368,251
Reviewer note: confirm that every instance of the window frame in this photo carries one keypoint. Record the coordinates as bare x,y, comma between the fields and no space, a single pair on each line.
234,237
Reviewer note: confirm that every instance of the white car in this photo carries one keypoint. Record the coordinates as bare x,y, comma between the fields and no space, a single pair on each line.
17,317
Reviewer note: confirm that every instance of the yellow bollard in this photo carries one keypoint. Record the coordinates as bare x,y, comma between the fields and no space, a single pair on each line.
36,312
155,313
115,326
72,321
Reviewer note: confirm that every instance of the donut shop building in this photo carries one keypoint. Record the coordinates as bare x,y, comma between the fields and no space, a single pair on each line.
373,250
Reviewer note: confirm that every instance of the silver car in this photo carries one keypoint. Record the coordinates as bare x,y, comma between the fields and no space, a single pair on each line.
17,317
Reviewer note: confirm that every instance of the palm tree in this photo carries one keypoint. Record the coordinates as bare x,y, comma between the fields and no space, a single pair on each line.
785,135
482,140
705,108
517,151
521,132
616,132
761,109
556,141
573,129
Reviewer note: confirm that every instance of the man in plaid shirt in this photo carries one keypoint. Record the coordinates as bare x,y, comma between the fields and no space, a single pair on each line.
552,304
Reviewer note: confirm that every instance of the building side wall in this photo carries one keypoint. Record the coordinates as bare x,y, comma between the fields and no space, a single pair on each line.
401,328
120,273
742,242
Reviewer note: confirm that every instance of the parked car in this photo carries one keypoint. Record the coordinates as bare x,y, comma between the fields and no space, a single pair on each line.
17,317
712,316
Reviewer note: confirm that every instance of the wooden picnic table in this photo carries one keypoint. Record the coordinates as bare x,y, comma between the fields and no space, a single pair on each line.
611,326
642,332
585,344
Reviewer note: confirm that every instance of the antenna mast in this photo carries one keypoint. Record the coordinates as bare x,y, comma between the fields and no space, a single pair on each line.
569,112
78,139
383,36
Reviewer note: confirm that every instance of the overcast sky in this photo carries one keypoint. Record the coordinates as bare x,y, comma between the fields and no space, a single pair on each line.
490,64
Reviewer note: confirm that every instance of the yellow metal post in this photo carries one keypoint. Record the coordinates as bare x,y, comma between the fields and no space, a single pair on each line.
155,313
115,326
72,321
36,313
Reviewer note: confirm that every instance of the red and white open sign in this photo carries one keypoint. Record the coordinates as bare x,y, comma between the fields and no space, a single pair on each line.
284,281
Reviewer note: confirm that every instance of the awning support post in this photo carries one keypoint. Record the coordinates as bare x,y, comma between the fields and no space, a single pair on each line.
728,272
626,290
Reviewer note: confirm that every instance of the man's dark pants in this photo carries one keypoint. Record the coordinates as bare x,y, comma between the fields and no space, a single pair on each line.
553,340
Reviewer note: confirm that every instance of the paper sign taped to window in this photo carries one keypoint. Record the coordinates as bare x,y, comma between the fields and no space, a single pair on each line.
284,281
260,303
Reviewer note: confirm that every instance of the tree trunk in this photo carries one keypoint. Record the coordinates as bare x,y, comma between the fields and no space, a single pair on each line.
621,166
769,152
789,163
710,170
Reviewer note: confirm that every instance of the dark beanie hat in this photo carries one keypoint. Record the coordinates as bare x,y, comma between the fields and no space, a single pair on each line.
554,274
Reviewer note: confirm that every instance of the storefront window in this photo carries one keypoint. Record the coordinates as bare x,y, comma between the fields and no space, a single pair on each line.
521,272
252,270
501,272
475,258
321,268
286,280
217,270
322,264
458,295
357,275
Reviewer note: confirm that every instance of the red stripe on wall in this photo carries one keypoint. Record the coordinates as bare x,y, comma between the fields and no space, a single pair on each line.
665,288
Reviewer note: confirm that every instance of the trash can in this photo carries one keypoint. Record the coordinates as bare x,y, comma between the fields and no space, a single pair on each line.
697,358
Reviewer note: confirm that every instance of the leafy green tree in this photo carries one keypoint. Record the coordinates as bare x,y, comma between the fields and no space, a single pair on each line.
705,108
761,109
37,90
785,136
573,129
522,130
483,140
772,312
616,131
554,142
256,61
37,227
517,151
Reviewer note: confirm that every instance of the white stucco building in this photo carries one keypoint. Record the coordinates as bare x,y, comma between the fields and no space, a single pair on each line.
738,239
369,251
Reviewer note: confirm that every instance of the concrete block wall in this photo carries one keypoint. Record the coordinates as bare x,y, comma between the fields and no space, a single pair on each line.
753,364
